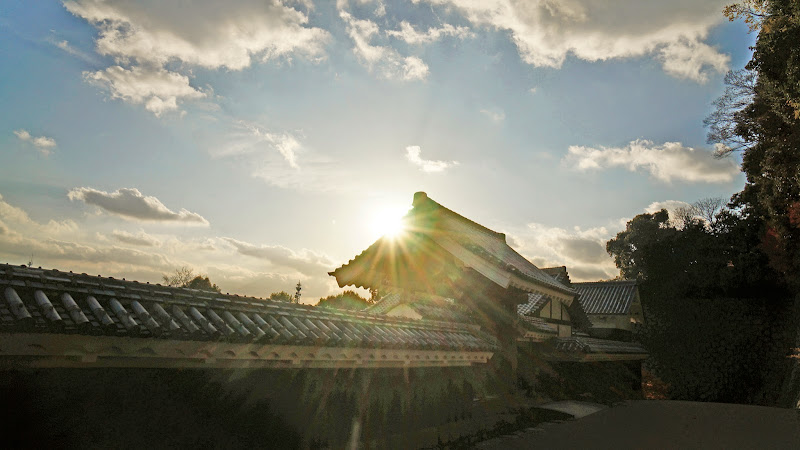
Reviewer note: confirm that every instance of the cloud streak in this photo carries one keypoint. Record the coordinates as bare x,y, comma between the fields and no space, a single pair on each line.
305,261
141,238
385,61
129,203
409,35
247,137
666,162
494,114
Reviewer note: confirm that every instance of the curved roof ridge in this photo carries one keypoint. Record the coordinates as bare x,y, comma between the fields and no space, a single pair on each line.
420,197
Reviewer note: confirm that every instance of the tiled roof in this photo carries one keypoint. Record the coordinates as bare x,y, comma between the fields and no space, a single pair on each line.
535,303
51,301
385,303
538,324
594,345
426,308
444,313
486,243
433,225
606,297
560,274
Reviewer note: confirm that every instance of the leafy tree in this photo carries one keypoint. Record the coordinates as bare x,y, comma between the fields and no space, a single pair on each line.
752,12
713,306
185,277
281,296
768,127
202,283
628,245
348,300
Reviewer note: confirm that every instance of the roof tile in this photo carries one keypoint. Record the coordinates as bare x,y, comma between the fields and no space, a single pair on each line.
606,297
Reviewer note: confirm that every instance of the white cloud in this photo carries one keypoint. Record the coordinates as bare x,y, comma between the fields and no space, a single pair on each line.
158,89
13,214
496,115
143,37
66,246
64,45
546,31
380,10
141,238
413,153
413,68
670,205
4,229
23,237
131,204
384,60
689,59
666,162
44,144
15,217
581,250
208,33
411,36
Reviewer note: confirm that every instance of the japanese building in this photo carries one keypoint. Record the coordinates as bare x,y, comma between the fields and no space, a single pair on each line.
461,316
445,266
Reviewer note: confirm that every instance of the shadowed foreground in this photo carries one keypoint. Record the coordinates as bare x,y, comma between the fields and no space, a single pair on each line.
667,424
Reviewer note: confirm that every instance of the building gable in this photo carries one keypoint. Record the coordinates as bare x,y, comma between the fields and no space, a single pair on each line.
436,235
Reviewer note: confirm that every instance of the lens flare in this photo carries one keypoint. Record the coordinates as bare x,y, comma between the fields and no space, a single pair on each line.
388,222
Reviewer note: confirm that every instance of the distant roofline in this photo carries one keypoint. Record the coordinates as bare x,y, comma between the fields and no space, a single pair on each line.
584,283
67,282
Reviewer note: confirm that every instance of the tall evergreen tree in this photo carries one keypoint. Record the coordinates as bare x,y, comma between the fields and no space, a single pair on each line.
769,128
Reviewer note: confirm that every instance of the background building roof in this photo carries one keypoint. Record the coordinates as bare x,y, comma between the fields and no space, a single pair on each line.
606,297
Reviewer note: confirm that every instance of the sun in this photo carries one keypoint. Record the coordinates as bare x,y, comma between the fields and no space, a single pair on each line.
388,222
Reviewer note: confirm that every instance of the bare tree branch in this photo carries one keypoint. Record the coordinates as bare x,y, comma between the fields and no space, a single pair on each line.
708,208
739,91
182,277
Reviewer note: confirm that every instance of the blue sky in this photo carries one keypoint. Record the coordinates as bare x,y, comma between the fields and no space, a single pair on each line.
262,142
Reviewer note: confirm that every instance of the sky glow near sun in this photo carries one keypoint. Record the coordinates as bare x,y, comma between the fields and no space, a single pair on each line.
388,221
262,142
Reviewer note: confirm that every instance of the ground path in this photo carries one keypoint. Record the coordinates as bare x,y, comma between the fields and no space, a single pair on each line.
661,425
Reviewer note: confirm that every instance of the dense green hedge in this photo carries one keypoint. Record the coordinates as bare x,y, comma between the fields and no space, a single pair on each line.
719,349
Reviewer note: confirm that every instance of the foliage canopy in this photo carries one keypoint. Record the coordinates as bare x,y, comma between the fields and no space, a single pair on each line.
185,277
348,300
